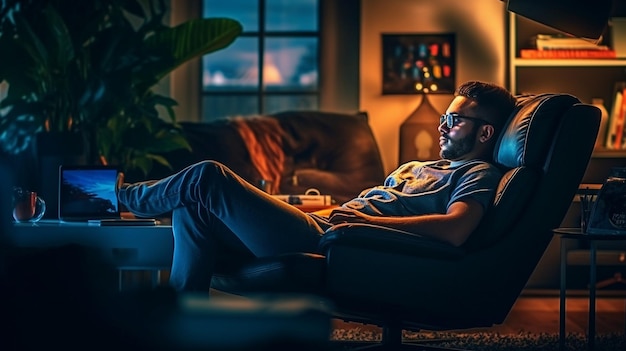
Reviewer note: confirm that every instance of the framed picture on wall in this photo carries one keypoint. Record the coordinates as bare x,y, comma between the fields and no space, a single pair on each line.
419,63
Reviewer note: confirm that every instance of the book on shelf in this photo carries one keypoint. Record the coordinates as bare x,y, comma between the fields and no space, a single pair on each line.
621,119
567,54
550,42
616,136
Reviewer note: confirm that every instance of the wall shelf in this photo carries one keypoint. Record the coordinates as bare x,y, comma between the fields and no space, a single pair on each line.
609,154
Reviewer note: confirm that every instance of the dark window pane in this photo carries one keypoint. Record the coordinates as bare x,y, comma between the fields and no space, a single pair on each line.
220,106
233,68
290,64
291,15
245,11
278,103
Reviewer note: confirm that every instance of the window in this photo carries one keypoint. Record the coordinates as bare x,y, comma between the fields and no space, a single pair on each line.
272,66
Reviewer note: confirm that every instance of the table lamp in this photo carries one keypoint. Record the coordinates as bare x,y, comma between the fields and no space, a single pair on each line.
419,137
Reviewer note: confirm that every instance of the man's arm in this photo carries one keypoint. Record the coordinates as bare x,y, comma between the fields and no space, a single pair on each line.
453,227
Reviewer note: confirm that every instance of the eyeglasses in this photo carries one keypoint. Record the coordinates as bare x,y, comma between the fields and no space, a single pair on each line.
452,119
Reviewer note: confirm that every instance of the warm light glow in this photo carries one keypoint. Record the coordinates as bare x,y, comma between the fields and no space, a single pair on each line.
271,74
426,72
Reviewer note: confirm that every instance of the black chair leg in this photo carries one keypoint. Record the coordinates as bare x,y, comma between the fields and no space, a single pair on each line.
392,336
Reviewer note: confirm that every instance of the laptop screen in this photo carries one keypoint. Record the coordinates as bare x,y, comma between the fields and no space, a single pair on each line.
88,192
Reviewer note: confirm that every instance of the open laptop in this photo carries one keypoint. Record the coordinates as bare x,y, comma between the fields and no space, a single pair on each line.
88,194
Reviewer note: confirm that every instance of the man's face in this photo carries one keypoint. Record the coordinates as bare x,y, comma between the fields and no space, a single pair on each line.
456,145
459,141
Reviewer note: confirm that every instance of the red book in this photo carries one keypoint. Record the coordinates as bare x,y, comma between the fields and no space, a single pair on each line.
621,116
567,54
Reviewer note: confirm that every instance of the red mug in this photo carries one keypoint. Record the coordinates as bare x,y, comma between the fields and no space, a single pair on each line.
27,206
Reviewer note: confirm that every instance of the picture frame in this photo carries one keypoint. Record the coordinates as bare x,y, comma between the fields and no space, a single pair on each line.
418,63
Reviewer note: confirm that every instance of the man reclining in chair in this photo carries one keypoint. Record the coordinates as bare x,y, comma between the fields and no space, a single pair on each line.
216,214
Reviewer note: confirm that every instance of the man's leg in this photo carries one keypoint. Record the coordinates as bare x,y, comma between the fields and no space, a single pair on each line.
212,204
195,250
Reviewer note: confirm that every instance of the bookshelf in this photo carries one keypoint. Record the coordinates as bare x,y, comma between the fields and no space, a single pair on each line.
583,78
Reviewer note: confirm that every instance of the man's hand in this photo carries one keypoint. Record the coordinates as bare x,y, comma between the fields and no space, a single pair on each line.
347,215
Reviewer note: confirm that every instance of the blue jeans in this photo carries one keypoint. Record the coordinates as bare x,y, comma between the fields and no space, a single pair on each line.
217,214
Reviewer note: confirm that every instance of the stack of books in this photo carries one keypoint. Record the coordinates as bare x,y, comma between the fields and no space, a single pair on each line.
565,47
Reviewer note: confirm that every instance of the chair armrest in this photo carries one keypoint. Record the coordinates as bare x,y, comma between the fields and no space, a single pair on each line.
384,239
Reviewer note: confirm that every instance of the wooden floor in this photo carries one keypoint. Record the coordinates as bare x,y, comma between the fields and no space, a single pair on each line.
541,315
538,312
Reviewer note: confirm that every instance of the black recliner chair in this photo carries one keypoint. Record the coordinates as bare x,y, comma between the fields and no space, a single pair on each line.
400,280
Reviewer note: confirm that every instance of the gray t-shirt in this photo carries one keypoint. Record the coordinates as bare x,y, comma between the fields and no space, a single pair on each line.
417,188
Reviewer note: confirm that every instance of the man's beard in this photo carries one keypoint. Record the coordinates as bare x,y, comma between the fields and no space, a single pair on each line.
458,148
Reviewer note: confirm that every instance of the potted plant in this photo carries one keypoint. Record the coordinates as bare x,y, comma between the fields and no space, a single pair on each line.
89,67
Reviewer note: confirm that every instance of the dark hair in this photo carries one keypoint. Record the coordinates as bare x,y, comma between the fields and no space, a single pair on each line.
494,103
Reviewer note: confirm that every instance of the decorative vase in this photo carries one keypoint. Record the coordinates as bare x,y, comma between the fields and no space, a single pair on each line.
53,149
419,137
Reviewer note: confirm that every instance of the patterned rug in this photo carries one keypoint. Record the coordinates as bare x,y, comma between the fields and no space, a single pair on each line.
492,341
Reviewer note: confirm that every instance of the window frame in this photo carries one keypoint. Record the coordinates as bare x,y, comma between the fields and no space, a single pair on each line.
261,34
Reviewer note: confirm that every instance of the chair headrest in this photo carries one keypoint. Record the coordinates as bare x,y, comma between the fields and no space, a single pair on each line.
530,129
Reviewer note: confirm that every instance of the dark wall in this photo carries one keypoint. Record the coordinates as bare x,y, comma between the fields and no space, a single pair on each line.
340,28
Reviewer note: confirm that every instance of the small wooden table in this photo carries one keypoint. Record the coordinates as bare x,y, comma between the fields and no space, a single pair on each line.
577,234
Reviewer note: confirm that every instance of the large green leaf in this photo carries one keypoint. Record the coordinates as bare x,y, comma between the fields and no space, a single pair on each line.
192,39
